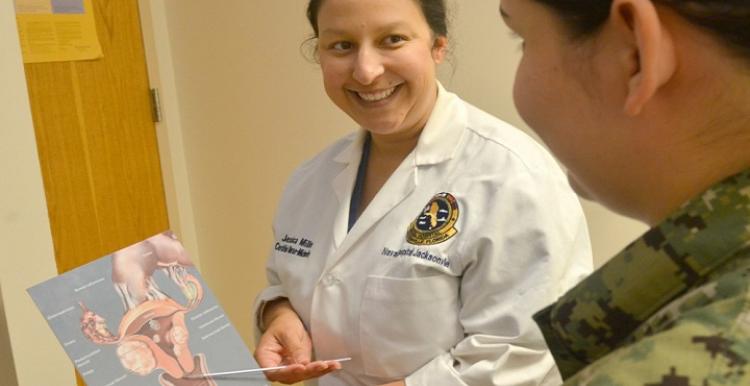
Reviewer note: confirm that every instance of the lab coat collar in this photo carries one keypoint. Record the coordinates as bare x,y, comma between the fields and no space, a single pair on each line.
442,133
439,138
343,183
352,153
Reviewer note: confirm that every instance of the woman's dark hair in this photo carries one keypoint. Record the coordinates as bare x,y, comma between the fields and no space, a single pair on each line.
728,20
433,11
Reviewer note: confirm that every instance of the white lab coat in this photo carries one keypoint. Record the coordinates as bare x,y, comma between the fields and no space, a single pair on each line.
454,313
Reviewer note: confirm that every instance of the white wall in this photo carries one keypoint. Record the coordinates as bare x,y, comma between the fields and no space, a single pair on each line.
26,256
251,108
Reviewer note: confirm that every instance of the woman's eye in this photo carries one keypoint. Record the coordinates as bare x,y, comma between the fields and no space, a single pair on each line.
341,46
394,39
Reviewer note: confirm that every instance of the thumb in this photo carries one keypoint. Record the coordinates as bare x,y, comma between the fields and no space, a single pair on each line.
297,346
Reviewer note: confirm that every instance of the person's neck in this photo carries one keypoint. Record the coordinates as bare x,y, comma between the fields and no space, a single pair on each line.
394,146
701,138
691,171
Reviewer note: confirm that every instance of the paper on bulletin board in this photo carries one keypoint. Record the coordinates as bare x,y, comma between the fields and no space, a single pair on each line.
57,30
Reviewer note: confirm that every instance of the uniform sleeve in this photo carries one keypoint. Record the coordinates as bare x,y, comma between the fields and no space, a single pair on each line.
272,292
527,245
707,353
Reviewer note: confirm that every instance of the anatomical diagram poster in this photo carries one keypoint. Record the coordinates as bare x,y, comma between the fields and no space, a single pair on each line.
143,316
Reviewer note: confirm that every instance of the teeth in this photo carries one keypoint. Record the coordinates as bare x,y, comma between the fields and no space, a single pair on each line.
376,96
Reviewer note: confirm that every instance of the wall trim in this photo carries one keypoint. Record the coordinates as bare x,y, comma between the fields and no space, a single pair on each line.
175,174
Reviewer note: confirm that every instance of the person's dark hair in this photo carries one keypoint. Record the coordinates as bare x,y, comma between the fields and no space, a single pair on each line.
433,10
728,20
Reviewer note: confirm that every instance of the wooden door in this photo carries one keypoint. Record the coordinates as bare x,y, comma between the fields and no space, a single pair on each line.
97,143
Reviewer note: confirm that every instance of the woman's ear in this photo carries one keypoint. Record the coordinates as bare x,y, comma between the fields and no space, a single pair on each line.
652,55
439,49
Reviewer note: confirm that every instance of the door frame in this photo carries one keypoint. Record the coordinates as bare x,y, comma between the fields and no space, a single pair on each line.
26,341
161,74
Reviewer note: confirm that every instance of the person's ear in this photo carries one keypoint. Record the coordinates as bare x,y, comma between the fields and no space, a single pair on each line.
439,49
651,57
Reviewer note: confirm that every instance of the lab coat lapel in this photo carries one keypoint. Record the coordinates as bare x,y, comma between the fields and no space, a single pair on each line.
343,184
395,190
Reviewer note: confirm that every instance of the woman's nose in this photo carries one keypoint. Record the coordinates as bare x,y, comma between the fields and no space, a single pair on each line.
368,66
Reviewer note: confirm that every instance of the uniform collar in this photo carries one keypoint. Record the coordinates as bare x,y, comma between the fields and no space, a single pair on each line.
439,138
599,314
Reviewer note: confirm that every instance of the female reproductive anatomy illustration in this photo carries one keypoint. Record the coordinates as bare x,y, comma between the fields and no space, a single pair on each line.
152,333
143,315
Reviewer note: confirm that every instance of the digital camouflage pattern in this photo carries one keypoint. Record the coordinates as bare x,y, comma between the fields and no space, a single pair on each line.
673,308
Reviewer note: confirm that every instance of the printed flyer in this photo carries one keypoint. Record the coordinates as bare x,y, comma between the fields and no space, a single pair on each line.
144,316
57,30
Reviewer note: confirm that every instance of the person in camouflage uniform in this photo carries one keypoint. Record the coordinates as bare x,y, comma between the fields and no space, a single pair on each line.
673,308
654,123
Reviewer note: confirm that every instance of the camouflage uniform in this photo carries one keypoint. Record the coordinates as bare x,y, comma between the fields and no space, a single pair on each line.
673,308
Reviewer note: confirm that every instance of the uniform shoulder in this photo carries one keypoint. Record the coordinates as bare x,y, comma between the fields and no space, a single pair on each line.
321,167
324,158
311,178
508,139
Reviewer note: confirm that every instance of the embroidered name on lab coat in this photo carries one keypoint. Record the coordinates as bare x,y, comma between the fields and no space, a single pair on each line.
294,246
420,254
436,222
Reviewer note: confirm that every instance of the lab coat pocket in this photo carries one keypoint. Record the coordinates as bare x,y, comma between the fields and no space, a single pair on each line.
405,323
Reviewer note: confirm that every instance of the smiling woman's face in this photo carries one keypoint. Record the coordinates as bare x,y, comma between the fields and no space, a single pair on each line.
378,59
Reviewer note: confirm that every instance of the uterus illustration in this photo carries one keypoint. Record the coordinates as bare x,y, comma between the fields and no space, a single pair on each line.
152,333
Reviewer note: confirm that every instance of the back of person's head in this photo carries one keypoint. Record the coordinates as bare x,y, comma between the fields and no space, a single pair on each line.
727,20
637,93
434,12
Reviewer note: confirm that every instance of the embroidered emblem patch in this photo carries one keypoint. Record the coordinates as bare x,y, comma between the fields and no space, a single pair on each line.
435,223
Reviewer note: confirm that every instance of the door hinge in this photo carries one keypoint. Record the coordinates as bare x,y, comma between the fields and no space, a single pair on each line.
155,105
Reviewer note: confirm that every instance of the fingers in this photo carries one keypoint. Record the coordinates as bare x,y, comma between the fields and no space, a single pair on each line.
269,352
297,345
332,365
299,372
286,342
295,372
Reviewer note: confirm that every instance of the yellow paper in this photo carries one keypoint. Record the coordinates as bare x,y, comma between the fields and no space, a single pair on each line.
57,30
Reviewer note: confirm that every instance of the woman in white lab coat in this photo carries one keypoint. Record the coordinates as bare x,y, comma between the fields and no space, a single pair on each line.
420,245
